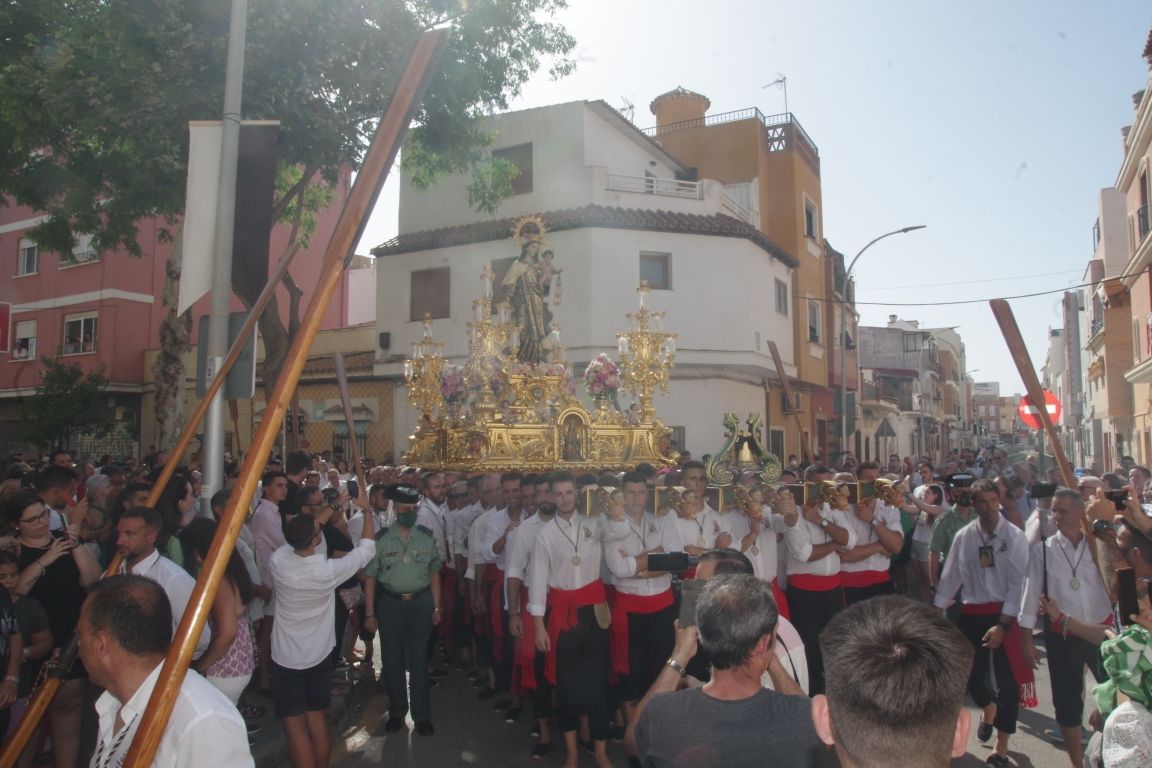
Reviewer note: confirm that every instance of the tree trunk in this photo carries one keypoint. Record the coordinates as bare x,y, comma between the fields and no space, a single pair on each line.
168,367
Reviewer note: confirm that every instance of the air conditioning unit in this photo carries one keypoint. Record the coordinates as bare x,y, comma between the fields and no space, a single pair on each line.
796,405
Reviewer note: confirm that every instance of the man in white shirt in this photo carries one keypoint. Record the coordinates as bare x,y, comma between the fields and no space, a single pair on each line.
433,515
380,509
1062,569
864,569
564,583
643,605
497,531
124,631
528,668
267,525
136,536
700,527
989,561
479,581
304,635
815,592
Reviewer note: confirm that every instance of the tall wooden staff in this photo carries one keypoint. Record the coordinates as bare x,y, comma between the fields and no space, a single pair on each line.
349,228
1019,352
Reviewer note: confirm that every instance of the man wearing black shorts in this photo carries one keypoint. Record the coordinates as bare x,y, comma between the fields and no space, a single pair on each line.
303,636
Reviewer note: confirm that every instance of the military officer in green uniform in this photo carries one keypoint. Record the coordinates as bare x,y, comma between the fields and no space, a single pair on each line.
404,590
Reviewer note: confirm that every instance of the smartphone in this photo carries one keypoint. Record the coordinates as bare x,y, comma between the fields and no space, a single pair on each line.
797,491
1043,490
669,562
353,488
1127,602
689,596
1118,498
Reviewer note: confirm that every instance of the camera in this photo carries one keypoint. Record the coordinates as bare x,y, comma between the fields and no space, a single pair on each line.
330,494
1043,490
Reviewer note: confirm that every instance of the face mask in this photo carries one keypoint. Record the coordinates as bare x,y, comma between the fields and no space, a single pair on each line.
406,519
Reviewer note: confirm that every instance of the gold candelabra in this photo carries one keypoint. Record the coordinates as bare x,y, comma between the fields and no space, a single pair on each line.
646,353
422,373
486,340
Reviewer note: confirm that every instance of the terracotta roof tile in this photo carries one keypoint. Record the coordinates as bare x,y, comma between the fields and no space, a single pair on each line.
716,225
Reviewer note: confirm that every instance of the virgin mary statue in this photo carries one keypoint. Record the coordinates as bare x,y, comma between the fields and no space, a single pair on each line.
526,285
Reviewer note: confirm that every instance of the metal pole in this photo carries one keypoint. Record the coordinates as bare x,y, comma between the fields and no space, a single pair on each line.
217,342
844,330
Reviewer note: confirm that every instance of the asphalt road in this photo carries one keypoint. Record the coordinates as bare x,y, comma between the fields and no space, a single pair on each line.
469,732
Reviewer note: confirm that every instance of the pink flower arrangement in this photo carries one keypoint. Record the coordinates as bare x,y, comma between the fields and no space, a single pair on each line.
452,386
602,377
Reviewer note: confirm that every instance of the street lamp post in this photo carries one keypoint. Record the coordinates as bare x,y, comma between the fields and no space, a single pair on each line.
844,331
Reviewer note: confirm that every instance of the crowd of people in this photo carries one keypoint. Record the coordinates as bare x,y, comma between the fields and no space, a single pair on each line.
642,607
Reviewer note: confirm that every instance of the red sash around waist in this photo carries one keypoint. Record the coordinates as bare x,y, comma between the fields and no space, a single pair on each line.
623,604
813,583
564,604
1013,648
863,578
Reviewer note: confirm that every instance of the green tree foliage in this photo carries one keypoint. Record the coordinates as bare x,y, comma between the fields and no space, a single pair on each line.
95,95
67,402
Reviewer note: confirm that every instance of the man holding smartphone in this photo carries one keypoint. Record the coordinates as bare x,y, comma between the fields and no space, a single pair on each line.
643,610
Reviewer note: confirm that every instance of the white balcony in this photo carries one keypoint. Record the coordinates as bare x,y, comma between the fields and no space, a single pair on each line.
650,185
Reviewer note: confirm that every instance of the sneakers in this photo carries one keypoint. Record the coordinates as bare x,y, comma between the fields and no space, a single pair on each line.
540,751
486,693
503,704
424,728
394,724
998,761
984,732
512,715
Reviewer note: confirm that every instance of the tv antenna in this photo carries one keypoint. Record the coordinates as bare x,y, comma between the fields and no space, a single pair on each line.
781,81
629,109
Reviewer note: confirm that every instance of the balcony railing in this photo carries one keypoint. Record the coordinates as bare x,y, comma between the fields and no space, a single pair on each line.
777,129
742,212
1096,326
649,185
77,348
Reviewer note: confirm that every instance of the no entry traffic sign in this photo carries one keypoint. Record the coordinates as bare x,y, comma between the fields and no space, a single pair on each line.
1029,413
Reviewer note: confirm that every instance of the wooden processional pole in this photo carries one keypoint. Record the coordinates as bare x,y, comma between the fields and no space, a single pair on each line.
350,226
1020,357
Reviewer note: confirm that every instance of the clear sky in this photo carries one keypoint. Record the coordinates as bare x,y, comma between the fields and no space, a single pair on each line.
995,124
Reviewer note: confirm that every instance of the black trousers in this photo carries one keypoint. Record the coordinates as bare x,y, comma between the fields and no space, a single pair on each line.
853,595
990,667
811,612
651,638
1067,657
542,696
507,655
582,675
404,629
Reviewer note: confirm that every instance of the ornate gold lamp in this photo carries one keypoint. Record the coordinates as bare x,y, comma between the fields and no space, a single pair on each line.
486,339
646,354
422,373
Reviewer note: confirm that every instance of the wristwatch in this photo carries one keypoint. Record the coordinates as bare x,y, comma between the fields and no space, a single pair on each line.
825,522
